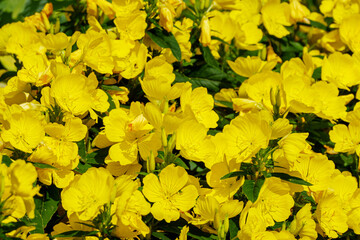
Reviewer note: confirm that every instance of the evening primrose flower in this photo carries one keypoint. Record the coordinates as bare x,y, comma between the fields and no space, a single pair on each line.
24,130
274,201
170,193
87,193
131,134
346,138
18,188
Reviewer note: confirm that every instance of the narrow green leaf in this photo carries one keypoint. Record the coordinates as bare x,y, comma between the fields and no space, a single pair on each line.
210,84
160,235
317,25
181,163
11,226
165,40
111,87
251,189
45,207
234,174
111,102
42,165
208,57
233,228
287,177
209,72
76,233
227,104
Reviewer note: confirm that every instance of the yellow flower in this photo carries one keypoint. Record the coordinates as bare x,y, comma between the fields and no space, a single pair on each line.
346,138
24,131
224,189
18,188
96,51
209,209
126,7
60,151
133,26
298,12
349,29
36,70
169,193
199,103
303,225
131,133
245,136
130,206
77,94
251,221
341,69
275,16
248,66
192,142
87,193
330,215
274,201
316,169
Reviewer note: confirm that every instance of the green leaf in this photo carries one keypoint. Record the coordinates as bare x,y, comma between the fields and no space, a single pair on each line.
45,207
97,157
7,160
209,72
82,150
212,85
318,25
287,177
111,102
160,235
15,7
226,104
251,189
11,226
82,167
181,163
208,57
348,159
111,87
233,228
42,165
76,233
165,40
233,174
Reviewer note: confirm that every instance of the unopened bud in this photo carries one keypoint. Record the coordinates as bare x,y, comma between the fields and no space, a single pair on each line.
221,232
45,20
164,138
172,142
57,26
205,36
217,221
226,224
151,162
166,18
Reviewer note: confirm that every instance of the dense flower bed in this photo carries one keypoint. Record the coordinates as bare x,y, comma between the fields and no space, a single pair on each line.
146,119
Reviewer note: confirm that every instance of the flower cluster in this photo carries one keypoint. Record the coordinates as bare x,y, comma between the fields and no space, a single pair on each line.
209,119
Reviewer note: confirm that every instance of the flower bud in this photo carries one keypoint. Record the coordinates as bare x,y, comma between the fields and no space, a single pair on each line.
166,18
205,36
